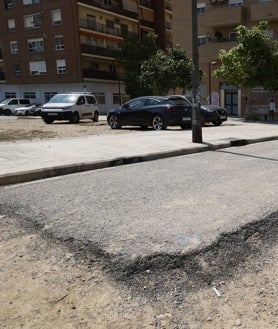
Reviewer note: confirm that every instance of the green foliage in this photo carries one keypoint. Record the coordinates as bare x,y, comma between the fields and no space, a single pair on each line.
167,71
253,61
132,54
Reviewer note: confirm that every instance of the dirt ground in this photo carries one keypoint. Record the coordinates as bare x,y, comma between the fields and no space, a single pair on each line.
45,284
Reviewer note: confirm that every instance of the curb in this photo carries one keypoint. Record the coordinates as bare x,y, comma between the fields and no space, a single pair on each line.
50,172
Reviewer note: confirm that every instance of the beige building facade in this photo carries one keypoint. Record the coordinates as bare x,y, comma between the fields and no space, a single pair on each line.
217,22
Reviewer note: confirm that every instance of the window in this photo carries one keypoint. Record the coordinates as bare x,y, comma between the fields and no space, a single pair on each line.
110,24
235,3
14,47
17,70
61,66
11,24
59,42
33,21
91,99
35,45
202,40
49,95
30,2
100,98
10,95
233,36
107,2
37,68
201,8
8,4
56,17
29,94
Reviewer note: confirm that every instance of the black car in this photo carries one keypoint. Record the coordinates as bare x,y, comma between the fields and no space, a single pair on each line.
210,113
155,111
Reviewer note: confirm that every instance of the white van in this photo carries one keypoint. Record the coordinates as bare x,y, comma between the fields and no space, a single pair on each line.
70,106
8,105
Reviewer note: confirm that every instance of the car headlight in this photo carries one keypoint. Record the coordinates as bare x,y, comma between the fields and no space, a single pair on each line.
66,108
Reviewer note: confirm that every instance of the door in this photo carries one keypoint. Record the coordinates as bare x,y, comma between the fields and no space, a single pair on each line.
231,102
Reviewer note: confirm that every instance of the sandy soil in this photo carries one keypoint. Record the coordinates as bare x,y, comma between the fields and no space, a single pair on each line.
34,128
43,284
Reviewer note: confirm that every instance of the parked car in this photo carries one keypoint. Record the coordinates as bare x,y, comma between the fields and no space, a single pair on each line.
8,105
155,111
70,106
210,113
35,110
26,110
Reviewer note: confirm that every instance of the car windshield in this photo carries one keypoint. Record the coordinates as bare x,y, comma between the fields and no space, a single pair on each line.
59,98
5,101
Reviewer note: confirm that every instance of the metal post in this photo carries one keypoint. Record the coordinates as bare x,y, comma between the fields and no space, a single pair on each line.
196,109
210,65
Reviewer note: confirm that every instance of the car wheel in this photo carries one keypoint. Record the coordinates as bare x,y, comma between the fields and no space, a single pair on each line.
27,113
158,123
114,122
217,123
48,120
96,116
74,118
7,112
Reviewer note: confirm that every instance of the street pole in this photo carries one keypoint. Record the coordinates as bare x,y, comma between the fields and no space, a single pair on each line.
210,65
196,109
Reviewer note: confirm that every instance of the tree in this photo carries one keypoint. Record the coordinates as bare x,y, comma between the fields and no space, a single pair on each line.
253,61
167,71
132,53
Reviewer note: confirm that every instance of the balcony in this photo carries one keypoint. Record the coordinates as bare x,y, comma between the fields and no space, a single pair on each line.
105,75
91,25
114,8
265,11
220,17
99,51
211,49
145,23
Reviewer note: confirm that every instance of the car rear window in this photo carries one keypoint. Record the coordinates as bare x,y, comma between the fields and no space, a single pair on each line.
178,101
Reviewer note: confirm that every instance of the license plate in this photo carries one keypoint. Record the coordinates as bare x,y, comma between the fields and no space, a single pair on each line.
186,119
222,117
51,114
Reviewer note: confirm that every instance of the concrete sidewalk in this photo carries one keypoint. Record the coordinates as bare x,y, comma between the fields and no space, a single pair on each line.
23,161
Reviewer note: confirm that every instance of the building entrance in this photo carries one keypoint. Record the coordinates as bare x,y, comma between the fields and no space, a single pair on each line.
231,102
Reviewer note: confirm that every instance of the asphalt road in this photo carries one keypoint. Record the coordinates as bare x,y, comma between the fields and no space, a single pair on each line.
168,207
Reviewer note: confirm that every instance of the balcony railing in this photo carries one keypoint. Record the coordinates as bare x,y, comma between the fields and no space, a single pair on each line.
116,9
91,25
105,75
147,23
265,11
102,28
224,16
94,50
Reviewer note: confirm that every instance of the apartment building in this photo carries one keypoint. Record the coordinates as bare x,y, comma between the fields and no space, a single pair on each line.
217,22
54,46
